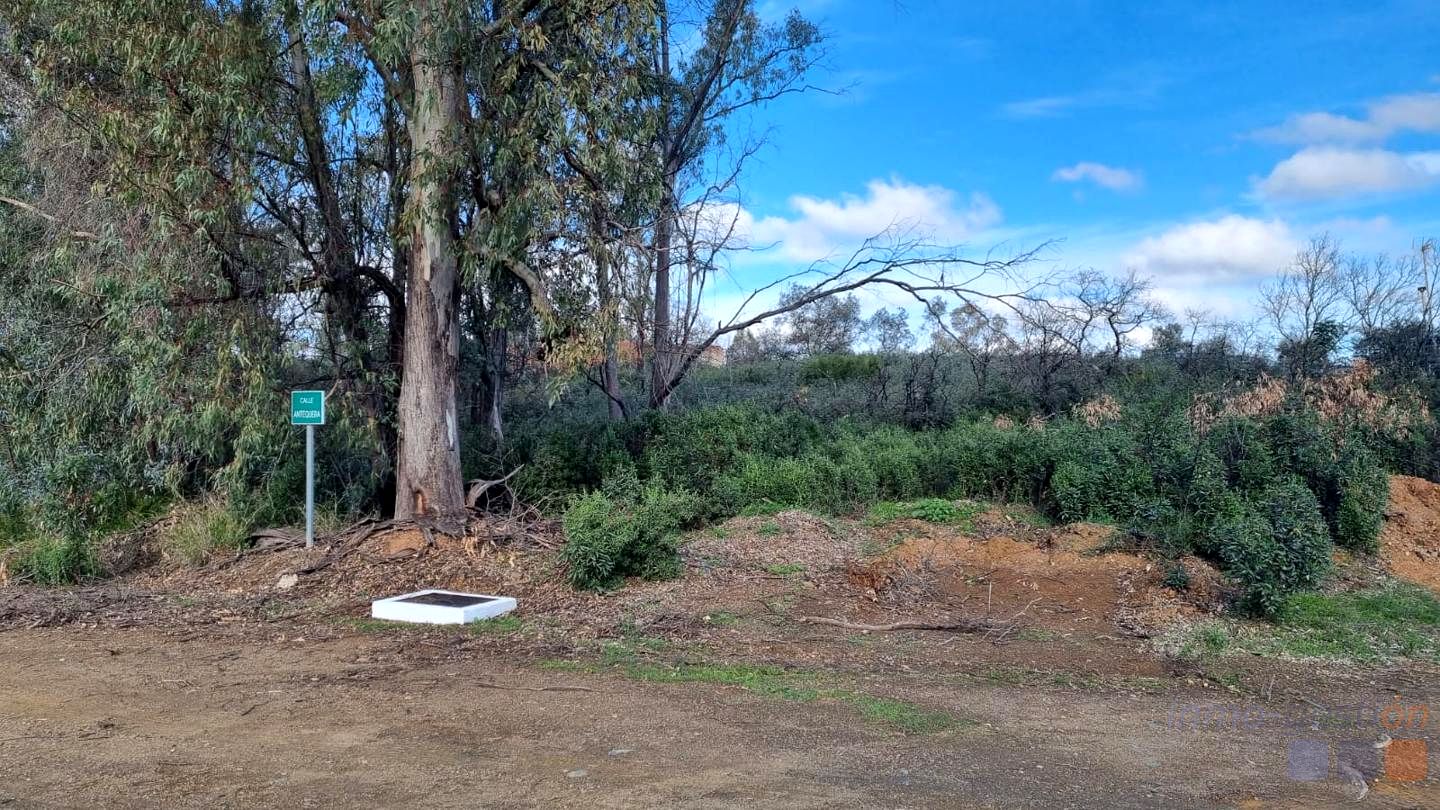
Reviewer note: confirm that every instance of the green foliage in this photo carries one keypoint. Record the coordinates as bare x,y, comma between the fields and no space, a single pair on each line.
1370,626
1276,547
1364,489
628,529
813,482
839,367
1177,578
55,561
930,510
202,528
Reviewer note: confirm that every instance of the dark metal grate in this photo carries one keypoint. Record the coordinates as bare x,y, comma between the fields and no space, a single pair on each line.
448,599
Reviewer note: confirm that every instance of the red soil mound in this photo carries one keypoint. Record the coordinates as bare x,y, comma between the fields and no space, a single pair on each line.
1410,541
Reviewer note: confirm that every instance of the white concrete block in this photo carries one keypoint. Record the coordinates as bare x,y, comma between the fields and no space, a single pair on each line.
435,606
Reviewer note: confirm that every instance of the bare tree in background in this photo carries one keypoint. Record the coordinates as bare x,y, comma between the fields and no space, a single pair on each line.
897,261
1306,307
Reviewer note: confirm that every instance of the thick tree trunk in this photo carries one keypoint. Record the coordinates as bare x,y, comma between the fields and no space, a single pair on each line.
429,485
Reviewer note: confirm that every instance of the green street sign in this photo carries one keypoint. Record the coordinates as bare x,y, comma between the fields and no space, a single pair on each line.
307,407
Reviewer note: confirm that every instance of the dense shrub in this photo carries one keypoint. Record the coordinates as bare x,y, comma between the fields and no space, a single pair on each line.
839,367
55,561
1275,546
1364,488
693,449
627,529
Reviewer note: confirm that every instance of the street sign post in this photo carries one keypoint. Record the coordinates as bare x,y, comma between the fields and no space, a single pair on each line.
308,408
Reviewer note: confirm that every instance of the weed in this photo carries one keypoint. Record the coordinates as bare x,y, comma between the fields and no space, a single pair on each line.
202,528
769,528
721,618
786,570
900,714
1177,578
930,510
55,561
1199,642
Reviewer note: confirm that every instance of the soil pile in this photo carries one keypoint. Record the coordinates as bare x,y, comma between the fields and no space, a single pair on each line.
1070,578
1410,541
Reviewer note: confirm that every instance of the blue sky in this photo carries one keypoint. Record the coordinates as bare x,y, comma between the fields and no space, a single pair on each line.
1198,143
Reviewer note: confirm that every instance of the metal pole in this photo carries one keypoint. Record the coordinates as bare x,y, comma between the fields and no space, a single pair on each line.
309,486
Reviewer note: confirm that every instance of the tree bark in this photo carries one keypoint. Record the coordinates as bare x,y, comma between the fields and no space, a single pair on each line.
660,339
610,365
429,485
662,350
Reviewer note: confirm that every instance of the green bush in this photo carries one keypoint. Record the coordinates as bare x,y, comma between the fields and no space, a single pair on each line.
1099,473
1076,489
812,482
626,530
1364,489
202,528
839,367
692,450
55,561
1274,547
597,533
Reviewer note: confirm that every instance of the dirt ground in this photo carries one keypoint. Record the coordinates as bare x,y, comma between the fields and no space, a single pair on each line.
246,684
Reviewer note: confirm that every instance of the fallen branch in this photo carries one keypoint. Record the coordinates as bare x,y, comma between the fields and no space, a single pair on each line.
487,685
479,486
961,626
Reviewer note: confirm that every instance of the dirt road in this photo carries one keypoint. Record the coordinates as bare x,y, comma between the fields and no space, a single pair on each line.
141,718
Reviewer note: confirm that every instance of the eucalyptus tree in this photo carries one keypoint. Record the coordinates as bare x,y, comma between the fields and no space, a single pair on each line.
711,60
374,158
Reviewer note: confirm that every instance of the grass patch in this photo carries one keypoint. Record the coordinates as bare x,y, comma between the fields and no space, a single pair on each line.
722,618
1203,641
769,528
786,570
772,682
930,510
54,561
1367,626
900,714
202,528
1399,621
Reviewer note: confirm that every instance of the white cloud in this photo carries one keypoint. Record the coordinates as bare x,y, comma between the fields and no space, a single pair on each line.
1323,172
1111,177
1416,112
1229,248
820,227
